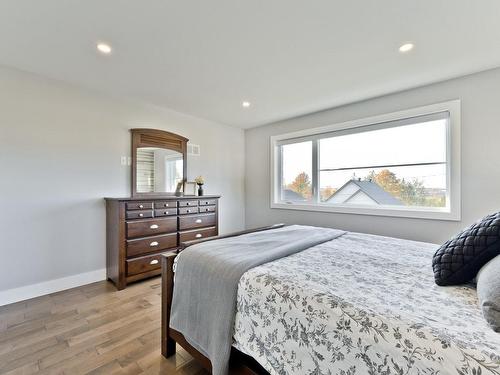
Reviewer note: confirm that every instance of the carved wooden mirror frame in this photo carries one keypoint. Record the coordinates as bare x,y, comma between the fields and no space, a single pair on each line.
161,139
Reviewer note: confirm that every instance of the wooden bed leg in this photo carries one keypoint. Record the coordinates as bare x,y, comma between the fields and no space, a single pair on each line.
167,292
168,348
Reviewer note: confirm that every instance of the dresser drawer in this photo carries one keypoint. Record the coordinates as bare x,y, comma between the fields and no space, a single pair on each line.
139,214
197,234
188,210
165,204
204,209
188,203
196,221
166,212
150,244
143,264
139,205
152,227
208,202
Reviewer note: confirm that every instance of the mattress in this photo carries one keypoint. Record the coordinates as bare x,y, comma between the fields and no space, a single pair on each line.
361,304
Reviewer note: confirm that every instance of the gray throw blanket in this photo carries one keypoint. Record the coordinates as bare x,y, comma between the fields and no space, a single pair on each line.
206,283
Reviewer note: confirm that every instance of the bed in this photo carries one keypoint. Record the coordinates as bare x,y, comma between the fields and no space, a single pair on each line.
356,304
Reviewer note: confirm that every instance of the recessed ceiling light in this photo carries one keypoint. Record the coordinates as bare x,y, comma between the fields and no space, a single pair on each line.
407,47
104,48
245,104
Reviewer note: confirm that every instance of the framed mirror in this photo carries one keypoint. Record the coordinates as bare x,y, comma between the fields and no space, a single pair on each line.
158,162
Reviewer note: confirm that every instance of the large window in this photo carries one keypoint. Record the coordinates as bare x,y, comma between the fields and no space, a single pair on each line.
401,164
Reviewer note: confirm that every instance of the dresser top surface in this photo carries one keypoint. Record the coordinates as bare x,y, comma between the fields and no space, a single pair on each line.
163,198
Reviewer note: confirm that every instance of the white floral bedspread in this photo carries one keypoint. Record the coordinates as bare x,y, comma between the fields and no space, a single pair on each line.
361,304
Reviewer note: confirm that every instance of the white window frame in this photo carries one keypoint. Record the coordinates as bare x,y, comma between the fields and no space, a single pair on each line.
451,213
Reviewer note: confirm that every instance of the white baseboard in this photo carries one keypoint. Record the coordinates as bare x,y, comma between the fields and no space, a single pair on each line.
51,286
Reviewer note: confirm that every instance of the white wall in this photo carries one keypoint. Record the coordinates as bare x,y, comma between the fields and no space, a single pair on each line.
480,96
60,149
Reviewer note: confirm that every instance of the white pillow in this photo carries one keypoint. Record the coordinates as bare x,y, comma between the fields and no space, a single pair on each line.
488,292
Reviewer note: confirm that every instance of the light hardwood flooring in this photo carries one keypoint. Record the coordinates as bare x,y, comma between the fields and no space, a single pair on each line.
93,329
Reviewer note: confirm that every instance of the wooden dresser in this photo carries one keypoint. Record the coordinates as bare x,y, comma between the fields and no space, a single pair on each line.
140,229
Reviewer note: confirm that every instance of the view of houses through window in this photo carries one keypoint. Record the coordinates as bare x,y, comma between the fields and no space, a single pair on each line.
399,165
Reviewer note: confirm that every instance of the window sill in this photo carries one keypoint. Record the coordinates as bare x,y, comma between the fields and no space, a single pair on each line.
415,213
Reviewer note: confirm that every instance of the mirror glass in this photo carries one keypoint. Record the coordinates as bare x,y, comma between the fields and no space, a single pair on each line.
159,170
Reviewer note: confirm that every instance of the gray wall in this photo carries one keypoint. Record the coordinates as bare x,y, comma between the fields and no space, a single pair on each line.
60,149
480,96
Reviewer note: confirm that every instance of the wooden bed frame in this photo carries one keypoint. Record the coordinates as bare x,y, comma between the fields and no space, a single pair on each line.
239,362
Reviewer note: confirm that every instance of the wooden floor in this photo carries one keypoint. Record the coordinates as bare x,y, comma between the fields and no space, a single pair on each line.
92,329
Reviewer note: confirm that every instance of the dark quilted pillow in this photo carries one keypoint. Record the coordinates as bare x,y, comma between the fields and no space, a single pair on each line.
459,260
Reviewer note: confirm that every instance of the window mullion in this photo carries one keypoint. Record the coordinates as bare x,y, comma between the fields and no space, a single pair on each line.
315,170
280,173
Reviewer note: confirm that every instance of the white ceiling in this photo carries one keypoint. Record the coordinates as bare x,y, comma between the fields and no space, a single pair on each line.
287,57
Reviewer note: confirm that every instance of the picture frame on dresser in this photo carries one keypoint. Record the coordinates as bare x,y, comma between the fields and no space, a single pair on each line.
179,189
190,188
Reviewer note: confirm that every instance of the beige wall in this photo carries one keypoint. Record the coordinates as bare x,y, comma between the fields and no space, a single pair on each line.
60,149
480,96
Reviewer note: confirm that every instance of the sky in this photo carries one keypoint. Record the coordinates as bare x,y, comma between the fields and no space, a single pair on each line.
416,143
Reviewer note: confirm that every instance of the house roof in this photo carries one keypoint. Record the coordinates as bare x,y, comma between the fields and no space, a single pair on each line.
374,191
290,195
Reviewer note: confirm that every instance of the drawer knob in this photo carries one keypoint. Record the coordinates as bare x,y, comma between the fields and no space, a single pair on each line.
188,211
154,243
199,235
154,226
187,203
141,206
165,205
165,213
198,221
207,202
141,215
154,261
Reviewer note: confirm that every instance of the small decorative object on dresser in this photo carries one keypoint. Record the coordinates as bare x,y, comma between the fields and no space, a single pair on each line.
158,216
178,189
200,181
189,188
